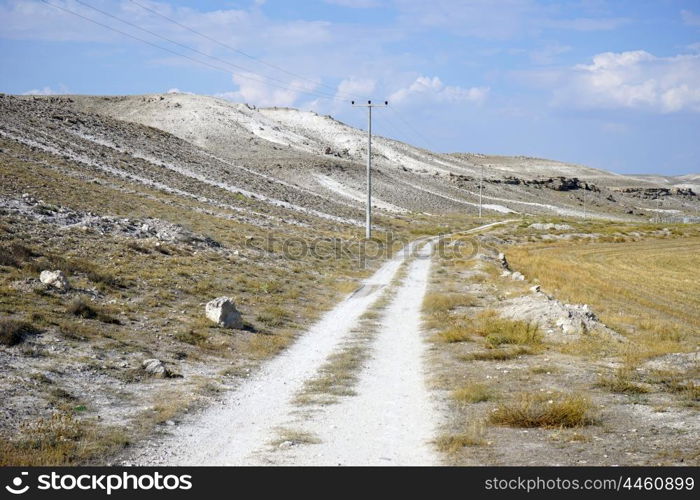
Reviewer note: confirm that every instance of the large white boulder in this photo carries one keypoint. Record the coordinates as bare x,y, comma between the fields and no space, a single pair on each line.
55,279
223,312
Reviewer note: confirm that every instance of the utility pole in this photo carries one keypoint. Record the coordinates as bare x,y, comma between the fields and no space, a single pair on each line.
369,106
481,183
584,202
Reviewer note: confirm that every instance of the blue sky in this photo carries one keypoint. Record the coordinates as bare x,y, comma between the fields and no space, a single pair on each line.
610,84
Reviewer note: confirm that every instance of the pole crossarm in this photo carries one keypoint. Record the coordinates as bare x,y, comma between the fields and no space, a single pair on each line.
369,105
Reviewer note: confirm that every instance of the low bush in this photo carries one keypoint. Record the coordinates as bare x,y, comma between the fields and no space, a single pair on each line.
13,332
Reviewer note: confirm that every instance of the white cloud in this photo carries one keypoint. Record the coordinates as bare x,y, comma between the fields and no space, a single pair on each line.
356,88
253,90
432,89
632,80
62,89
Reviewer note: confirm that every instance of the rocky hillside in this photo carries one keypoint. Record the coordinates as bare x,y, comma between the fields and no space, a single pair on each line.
317,163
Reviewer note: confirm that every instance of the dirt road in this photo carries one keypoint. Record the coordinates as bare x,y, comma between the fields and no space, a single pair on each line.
390,420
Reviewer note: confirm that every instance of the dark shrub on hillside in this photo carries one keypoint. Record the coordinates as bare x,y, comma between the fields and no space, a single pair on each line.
12,331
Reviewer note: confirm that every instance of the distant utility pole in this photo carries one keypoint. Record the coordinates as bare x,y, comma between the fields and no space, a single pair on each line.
481,183
584,202
369,106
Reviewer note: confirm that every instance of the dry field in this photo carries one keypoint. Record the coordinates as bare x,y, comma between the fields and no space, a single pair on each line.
519,390
647,290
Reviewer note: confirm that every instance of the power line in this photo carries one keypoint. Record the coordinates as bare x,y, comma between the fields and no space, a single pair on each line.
187,47
391,131
254,77
238,51
411,127
401,131
193,59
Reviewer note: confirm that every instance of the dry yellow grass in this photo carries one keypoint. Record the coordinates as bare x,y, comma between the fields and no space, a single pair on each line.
473,393
648,290
496,331
60,439
454,333
621,382
438,302
499,331
544,410
294,436
472,435
498,354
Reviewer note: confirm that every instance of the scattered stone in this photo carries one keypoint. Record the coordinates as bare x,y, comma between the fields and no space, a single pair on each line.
535,289
571,325
502,259
148,227
55,279
517,276
560,322
547,227
156,368
677,361
223,312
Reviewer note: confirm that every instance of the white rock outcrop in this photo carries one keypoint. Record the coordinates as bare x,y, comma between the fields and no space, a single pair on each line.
156,368
223,312
55,279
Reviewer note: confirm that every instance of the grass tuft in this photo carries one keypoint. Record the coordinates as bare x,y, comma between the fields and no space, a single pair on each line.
84,309
621,382
473,393
453,334
540,410
15,254
499,331
59,440
294,437
273,316
497,354
437,302
472,435
13,332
